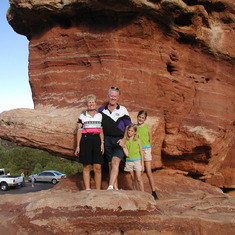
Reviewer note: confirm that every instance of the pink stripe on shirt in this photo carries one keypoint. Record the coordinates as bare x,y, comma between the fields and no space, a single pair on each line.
91,130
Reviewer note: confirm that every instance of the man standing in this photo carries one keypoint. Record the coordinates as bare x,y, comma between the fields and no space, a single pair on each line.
114,122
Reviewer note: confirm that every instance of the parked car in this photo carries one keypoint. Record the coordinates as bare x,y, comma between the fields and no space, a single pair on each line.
7,181
48,176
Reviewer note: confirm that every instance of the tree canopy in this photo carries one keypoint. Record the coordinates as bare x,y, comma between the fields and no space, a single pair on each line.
16,159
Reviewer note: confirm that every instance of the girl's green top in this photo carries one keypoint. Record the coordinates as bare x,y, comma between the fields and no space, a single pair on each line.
143,133
133,150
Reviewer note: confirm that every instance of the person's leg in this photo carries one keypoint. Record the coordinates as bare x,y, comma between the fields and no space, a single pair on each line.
139,181
148,170
115,185
114,171
108,150
110,168
134,186
97,160
98,175
86,175
85,158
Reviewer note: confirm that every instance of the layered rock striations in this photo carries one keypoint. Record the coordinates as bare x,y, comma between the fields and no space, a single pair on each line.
186,206
175,59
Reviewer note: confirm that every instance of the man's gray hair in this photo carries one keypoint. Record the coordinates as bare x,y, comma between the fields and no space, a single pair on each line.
113,89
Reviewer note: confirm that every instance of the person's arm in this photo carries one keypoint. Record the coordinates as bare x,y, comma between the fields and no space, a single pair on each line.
125,150
79,135
141,154
122,141
102,140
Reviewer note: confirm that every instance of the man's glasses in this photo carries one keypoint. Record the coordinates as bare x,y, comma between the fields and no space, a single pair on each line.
114,88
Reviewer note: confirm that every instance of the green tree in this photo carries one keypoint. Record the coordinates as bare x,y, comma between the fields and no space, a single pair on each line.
37,169
16,158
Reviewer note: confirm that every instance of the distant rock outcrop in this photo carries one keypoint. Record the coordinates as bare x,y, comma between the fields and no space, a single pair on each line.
173,58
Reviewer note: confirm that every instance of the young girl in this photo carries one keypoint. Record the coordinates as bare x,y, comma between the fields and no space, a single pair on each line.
134,161
146,139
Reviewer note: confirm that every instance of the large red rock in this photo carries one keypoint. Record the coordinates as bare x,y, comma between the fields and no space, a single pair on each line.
175,59
186,206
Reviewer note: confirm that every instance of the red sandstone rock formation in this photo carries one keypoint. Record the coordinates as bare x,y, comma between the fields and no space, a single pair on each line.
173,58
186,206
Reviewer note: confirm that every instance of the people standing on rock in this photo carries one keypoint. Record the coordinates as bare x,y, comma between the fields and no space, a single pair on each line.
115,120
145,137
134,157
90,142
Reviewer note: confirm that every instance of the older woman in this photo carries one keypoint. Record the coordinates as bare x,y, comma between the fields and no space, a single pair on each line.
90,142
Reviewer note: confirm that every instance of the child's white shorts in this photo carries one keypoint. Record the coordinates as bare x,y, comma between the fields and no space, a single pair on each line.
147,154
133,166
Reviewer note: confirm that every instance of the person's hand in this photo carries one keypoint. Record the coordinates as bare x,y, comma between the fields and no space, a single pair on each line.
77,151
102,148
121,142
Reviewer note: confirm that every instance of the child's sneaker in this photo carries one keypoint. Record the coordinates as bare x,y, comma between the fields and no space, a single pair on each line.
154,195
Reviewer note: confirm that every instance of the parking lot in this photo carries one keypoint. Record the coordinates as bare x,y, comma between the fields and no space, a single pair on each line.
28,188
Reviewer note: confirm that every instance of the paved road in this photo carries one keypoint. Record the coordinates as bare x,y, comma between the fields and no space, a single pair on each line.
28,188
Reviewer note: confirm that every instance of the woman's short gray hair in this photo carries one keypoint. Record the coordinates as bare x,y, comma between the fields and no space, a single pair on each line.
90,97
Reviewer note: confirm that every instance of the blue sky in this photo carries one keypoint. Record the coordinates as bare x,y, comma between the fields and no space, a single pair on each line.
15,90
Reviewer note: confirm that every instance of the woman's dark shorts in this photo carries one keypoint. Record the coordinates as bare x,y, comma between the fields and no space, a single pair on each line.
112,148
90,149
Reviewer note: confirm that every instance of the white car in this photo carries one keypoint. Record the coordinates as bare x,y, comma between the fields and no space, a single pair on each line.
48,176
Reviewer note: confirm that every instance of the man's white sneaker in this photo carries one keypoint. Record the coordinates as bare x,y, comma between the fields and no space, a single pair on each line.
110,187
